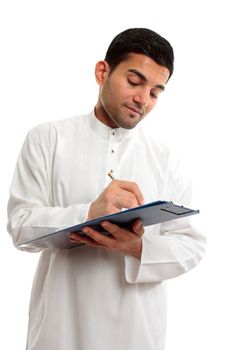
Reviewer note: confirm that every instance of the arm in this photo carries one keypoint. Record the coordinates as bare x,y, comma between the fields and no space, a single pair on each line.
31,212
172,248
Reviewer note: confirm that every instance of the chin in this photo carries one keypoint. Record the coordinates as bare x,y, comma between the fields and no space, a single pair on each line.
126,122
128,126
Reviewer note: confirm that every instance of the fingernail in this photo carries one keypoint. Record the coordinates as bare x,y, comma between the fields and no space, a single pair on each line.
85,230
74,238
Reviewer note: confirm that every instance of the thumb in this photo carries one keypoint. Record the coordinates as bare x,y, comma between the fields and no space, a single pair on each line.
137,228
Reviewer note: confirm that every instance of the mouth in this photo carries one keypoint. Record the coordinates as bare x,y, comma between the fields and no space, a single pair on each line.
135,111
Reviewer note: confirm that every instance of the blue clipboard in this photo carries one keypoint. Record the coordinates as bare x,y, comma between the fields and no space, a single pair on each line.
151,214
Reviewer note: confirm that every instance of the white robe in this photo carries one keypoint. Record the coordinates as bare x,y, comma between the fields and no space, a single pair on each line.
89,298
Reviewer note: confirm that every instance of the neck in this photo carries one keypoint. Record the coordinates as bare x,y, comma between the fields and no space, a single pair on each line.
101,114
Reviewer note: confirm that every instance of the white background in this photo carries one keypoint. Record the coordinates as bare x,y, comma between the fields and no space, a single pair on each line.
48,50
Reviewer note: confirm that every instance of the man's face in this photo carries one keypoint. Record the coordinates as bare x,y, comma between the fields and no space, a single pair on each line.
130,91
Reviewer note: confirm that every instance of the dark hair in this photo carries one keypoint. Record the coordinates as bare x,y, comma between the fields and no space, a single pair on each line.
143,41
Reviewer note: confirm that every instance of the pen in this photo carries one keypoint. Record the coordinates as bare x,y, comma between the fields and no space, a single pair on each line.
111,176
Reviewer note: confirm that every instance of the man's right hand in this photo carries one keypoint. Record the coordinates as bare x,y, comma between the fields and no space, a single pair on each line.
117,195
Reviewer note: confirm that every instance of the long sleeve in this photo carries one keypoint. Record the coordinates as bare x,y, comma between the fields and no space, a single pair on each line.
174,247
31,210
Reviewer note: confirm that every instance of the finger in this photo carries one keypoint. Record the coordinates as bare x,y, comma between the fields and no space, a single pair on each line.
113,229
138,228
131,187
74,238
125,199
100,238
120,234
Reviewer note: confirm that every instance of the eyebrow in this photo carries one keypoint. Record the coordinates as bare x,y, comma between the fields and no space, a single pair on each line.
141,76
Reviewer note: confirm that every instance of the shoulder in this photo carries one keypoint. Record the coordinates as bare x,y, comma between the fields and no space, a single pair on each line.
168,156
63,127
154,146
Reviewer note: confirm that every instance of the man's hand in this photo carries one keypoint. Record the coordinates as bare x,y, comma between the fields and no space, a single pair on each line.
116,196
126,241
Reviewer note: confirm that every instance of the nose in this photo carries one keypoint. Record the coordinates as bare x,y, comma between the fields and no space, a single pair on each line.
142,97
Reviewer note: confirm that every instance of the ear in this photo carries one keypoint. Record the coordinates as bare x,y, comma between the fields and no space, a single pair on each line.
101,72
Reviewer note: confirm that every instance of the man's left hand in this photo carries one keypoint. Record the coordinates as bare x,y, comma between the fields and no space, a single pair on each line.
126,241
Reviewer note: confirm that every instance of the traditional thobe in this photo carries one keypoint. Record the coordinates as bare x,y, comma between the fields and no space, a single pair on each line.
90,298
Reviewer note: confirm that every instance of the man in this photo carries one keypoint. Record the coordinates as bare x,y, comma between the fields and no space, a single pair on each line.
108,293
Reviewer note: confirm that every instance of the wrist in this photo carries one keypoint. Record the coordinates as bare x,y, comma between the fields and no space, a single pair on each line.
89,214
136,250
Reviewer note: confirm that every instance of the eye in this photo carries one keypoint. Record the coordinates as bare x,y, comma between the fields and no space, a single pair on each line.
153,95
133,83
